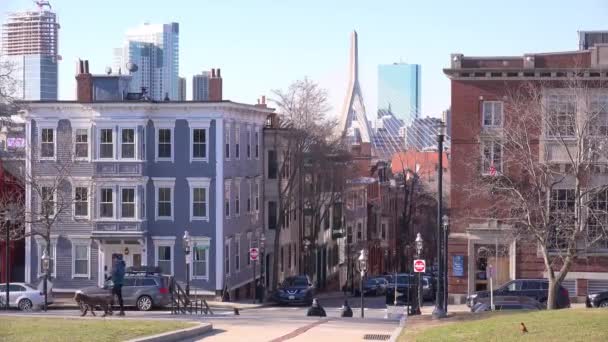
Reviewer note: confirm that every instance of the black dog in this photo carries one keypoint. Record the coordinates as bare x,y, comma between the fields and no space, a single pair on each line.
87,303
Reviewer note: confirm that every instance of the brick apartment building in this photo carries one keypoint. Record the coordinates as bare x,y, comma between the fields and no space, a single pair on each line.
479,85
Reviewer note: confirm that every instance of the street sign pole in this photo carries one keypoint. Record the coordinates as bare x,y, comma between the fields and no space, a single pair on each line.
255,285
490,269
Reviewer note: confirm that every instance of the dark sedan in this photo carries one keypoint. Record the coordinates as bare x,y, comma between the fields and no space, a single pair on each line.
502,303
597,300
533,288
294,290
405,290
371,287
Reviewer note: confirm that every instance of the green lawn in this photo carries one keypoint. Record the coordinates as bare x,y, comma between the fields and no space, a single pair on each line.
555,325
17,329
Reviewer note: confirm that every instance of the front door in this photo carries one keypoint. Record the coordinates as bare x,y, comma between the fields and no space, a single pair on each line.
133,257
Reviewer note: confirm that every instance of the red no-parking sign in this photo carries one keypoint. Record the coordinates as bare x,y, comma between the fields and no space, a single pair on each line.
253,254
419,266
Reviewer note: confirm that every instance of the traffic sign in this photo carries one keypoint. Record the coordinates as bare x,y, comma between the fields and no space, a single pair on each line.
253,254
419,266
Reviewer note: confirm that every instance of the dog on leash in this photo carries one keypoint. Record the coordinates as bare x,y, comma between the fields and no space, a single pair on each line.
87,303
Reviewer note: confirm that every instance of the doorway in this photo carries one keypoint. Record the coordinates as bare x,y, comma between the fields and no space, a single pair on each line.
495,257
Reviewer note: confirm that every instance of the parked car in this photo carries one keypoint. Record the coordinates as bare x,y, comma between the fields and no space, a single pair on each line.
405,289
24,296
371,287
508,303
533,288
428,288
294,290
141,289
383,284
597,300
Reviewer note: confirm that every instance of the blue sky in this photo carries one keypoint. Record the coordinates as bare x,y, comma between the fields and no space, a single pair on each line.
263,45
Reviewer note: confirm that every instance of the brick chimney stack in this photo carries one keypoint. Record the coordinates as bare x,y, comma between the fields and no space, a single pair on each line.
84,82
262,102
215,85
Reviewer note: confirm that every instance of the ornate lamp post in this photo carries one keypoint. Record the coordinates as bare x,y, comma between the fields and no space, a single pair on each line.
439,311
187,240
262,267
306,256
419,245
46,260
362,270
446,226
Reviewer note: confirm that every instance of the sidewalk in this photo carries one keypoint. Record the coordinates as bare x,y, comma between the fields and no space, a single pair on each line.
67,303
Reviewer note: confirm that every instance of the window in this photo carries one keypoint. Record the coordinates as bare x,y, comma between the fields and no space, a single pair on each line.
599,115
250,245
199,192
272,215
383,231
81,143
248,144
227,257
199,262
250,189
128,143
561,115
349,234
237,253
359,231
257,196
164,259
81,260
48,199
562,216
257,144
514,286
237,143
164,143
227,141
237,197
199,144
164,202
491,158
106,143
127,208
227,198
47,143
272,164
597,220
360,199
106,206
81,202
492,114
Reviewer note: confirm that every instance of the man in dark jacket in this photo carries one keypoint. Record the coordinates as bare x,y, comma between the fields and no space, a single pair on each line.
118,277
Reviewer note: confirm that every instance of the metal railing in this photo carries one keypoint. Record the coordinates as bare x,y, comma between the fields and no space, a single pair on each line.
181,303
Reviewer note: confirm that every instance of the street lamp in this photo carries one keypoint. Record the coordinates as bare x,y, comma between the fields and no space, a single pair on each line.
306,257
187,240
419,245
9,217
262,267
439,311
446,226
363,270
46,260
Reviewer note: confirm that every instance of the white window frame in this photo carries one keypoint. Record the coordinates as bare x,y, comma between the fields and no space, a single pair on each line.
114,154
227,198
237,253
257,196
237,142
199,124
113,188
248,151
76,128
54,129
250,244
196,183
227,257
205,242
81,243
164,182
135,203
164,124
256,135
249,196
135,143
226,142
494,115
88,215
53,248
499,168
164,241
237,197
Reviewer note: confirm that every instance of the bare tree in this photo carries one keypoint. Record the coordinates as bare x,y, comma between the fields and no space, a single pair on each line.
544,171
8,87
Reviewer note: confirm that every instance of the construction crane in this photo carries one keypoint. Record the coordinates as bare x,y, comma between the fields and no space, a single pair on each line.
43,3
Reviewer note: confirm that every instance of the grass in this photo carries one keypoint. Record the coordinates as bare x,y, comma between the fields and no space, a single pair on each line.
16,329
555,325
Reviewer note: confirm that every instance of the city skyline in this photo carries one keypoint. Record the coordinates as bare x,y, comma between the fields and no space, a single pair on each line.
426,34
399,90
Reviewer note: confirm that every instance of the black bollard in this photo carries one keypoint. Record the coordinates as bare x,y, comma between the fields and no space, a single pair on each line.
316,309
346,311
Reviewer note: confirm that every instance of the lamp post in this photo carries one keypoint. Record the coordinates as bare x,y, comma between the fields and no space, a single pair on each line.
9,217
306,250
262,267
446,226
439,311
187,240
45,267
363,270
419,245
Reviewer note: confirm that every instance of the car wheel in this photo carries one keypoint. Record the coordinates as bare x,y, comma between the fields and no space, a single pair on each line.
25,305
144,303
604,303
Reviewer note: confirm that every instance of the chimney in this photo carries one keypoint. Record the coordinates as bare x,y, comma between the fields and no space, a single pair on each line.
215,86
262,102
84,82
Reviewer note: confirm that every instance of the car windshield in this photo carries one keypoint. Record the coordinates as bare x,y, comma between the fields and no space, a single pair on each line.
295,281
371,282
403,279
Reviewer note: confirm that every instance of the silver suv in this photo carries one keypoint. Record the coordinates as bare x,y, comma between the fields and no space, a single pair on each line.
144,290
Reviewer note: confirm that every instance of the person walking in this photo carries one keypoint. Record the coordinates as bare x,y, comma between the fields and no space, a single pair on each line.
118,277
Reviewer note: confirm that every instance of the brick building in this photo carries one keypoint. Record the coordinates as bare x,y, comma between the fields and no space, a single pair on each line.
479,85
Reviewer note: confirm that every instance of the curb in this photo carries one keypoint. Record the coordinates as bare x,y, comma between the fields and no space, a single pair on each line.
177,335
395,334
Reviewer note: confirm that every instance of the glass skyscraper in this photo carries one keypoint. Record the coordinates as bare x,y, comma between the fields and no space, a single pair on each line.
399,90
200,86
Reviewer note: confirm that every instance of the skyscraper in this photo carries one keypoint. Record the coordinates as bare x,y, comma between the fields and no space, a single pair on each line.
154,48
30,44
399,90
200,86
182,89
